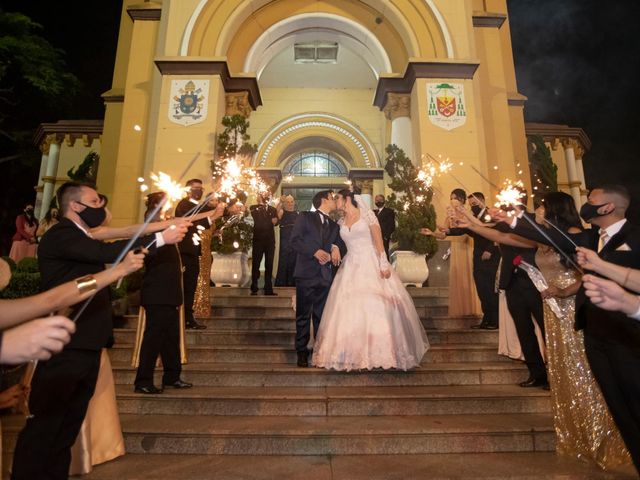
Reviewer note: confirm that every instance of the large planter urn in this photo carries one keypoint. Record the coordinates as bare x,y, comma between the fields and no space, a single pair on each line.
230,270
411,267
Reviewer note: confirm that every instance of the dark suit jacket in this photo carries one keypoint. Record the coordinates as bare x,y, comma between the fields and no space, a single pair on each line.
263,226
162,281
66,253
480,245
508,269
387,220
186,246
610,324
306,239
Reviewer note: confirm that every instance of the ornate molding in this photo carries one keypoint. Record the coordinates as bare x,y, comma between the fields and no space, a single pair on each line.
398,105
362,174
206,66
515,99
575,145
237,103
115,95
441,69
488,19
68,131
554,133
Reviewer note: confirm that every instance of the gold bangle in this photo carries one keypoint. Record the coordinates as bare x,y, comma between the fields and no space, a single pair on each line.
626,278
86,284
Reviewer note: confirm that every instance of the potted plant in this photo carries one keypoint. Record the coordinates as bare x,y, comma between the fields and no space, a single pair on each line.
411,199
25,279
231,240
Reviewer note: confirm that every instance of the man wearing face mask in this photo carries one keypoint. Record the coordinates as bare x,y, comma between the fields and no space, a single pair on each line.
190,252
387,220
62,386
611,339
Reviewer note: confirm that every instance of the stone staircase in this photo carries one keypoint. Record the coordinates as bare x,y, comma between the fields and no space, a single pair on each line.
251,405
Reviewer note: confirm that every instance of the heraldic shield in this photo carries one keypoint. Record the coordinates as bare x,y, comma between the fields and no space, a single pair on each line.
446,105
187,104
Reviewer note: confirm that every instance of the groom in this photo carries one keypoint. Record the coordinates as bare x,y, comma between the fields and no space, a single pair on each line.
316,240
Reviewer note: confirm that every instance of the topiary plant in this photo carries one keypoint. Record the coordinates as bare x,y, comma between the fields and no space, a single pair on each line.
412,202
27,265
232,238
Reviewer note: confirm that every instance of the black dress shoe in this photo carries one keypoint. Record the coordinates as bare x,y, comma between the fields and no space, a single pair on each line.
488,326
534,382
195,326
254,293
150,390
271,294
179,384
303,359
478,326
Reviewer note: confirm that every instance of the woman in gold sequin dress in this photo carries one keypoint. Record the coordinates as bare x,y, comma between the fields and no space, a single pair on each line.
583,424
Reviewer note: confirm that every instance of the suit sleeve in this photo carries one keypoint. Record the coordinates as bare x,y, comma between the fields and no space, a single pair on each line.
183,207
392,222
458,232
84,249
526,230
297,240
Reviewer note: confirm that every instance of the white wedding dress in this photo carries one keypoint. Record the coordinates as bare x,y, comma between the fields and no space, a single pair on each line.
368,321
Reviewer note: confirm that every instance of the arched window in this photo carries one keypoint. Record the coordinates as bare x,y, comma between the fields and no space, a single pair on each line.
315,163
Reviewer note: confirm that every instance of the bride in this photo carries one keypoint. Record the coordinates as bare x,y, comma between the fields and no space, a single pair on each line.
369,320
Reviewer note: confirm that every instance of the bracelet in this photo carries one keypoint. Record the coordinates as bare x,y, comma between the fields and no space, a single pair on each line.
626,278
86,284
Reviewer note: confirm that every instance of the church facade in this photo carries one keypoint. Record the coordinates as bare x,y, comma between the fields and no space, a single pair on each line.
326,86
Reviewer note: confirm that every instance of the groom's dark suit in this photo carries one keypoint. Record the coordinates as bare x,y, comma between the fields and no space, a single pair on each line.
312,232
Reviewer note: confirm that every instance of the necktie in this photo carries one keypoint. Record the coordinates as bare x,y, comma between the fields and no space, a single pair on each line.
604,238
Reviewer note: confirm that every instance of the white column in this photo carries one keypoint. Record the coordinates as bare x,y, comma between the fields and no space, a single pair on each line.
572,172
401,135
51,173
38,210
398,110
580,170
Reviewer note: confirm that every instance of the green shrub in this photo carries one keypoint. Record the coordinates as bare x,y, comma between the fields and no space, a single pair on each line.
22,284
12,264
28,265
240,233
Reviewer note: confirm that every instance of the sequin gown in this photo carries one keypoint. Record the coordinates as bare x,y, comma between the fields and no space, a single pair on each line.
368,322
584,427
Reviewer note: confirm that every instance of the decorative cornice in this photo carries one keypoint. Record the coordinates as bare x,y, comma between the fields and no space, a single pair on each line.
488,19
555,133
272,176
56,132
515,99
237,103
434,69
185,66
148,11
115,95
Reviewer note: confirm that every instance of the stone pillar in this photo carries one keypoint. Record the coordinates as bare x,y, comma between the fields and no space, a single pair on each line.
51,171
570,145
398,111
579,152
38,208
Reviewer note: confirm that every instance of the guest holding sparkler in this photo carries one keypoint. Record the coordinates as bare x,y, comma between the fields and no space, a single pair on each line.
486,257
287,216
62,387
161,297
265,217
190,250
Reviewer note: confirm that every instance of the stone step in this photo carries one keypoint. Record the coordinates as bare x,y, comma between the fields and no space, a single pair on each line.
336,401
282,354
285,301
473,466
243,311
288,323
286,338
274,375
216,292
350,435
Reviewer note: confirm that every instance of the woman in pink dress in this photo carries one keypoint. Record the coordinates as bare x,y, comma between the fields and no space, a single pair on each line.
24,241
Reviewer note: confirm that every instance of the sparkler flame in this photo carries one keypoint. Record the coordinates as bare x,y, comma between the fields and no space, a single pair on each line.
511,194
175,191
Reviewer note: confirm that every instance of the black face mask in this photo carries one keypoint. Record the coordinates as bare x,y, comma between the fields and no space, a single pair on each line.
588,212
379,204
476,209
92,216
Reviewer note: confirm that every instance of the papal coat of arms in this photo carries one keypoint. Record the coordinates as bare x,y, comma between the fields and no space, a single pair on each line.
187,102
446,105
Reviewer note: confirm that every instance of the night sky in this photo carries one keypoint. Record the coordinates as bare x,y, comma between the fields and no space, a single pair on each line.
576,61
